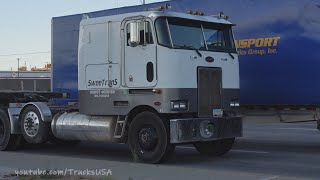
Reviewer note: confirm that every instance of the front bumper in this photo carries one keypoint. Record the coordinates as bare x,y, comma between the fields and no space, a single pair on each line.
192,130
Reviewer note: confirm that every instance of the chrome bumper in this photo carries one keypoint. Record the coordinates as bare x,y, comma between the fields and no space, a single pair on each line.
204,129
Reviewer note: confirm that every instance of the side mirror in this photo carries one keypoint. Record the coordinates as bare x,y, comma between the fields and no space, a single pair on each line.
134,34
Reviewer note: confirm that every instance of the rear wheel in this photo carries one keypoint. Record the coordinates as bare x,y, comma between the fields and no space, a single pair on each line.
8,141
149,139
33,128
215,148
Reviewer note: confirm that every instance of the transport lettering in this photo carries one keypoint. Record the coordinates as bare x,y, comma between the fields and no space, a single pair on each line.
258,43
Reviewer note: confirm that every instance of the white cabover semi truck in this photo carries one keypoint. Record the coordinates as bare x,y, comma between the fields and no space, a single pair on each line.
150,79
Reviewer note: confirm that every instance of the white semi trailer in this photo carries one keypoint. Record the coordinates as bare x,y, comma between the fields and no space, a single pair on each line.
152,79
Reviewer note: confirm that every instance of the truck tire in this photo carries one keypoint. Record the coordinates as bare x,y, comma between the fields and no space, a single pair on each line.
215,148
149,139
8,141
33,128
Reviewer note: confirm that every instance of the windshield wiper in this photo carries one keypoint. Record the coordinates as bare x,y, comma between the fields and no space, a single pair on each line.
189,47
231,55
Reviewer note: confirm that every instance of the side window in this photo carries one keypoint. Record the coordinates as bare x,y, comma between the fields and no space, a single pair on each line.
162,32
145,33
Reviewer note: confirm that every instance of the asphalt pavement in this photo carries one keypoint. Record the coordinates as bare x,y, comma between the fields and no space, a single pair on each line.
267,151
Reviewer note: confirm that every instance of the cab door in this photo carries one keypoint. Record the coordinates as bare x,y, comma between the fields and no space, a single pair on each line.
140,61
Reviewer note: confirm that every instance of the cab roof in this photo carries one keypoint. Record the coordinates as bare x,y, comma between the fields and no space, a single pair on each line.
155,14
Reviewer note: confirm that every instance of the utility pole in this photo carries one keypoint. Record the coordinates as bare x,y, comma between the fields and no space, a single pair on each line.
143,2
46,66
18,67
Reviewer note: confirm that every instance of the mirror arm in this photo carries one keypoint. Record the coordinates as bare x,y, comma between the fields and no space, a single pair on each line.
144,32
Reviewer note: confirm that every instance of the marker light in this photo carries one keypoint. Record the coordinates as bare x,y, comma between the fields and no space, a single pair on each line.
221,16
195,13
189,12
157,91
168,6
161,8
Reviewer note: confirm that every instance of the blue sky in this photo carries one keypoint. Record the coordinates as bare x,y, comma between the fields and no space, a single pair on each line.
26,26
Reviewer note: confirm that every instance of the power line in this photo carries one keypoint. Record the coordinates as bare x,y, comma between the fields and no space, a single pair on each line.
20,54
28,59
3,61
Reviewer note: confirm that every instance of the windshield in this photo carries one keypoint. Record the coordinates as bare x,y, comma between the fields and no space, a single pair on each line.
189,34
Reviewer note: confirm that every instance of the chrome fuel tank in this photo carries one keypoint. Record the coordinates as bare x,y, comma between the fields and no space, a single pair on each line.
76,126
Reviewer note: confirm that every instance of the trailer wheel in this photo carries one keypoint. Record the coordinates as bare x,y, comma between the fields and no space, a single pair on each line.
8,141
148,139
215,148
33,128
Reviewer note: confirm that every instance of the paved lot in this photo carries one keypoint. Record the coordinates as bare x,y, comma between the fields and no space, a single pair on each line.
266,152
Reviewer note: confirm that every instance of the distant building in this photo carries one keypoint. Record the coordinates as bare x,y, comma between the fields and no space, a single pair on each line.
47,67
25,81
25,75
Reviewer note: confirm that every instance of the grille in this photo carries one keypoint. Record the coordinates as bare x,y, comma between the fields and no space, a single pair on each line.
209,91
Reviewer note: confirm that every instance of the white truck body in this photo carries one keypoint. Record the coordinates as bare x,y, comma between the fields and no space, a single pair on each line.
107,63
151,79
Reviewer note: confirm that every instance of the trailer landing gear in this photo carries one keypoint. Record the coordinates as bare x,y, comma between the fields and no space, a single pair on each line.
8,141
215,148
148,139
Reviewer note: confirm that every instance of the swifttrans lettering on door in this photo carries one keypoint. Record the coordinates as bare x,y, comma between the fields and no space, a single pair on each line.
102,76
102,83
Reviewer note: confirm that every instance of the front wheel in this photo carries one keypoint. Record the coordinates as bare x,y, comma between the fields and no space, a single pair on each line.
149,139
215,148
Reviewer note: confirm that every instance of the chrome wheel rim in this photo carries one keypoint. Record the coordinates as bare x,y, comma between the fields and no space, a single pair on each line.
31,124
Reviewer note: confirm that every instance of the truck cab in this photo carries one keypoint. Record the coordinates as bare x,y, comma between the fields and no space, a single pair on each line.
182,68
159,59
152,79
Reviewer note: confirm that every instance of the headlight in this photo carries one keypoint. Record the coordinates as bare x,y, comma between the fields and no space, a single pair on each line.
179,105
206,129
234,104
